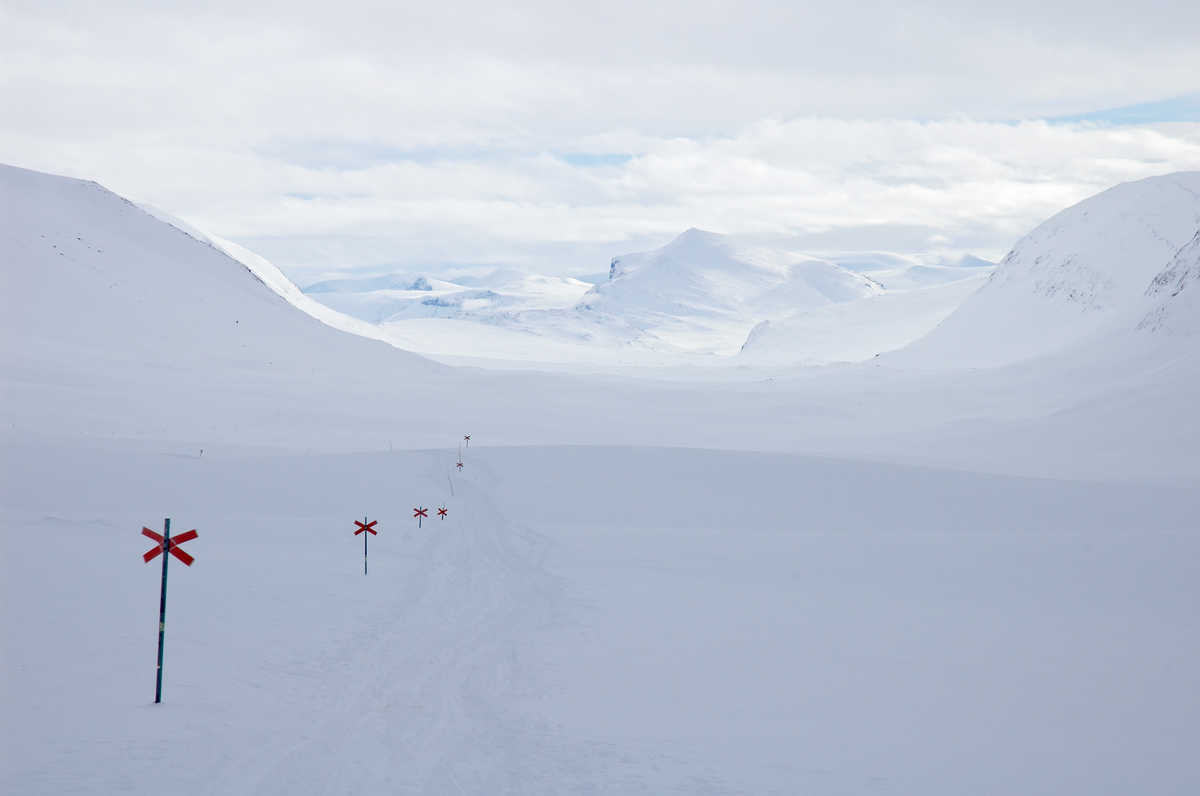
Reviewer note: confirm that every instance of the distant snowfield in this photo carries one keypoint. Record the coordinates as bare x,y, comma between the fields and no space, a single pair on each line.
910,575
693,303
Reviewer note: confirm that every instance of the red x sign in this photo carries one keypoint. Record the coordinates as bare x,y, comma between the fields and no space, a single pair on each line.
442,512
420,513
369,527
459,465
173,547
467,437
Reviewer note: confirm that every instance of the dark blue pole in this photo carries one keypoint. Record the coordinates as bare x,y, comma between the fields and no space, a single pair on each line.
366,533
162,609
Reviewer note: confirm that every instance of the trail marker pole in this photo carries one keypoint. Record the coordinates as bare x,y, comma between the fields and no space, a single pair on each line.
442,513
369,527
467,437
162,612
165,545
420,513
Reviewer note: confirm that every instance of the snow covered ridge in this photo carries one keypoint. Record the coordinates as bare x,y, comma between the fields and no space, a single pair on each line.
1090,270
267,273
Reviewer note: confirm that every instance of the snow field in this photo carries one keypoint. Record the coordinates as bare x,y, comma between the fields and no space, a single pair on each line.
594,620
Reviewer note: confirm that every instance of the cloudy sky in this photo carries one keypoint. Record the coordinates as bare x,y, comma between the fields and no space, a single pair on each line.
337,137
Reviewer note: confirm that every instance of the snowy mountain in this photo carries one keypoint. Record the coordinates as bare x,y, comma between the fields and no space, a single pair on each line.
1082,273
702,285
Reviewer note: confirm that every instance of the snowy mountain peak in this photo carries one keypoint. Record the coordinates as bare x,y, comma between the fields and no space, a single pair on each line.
704,285
694,237
706,270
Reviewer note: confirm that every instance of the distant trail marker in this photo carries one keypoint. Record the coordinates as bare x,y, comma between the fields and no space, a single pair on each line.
442,513
369,527
165,545
459,465
419,513
467,437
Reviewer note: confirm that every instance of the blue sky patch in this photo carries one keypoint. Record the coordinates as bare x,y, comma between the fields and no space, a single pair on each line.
1185,108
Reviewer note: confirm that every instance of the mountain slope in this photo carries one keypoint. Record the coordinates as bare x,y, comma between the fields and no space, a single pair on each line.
1177,290
111,316
86,267
1080,274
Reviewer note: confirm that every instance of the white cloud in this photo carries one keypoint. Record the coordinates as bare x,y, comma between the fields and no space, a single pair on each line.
351,135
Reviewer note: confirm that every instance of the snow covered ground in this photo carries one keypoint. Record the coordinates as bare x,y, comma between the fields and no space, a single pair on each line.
910,575
597,620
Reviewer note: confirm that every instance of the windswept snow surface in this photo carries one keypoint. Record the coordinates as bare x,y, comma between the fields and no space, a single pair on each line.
851,579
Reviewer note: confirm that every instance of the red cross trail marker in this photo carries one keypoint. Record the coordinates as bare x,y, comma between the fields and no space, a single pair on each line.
169,545
172,546
369,527
442,512
419,513
459,465
467,437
